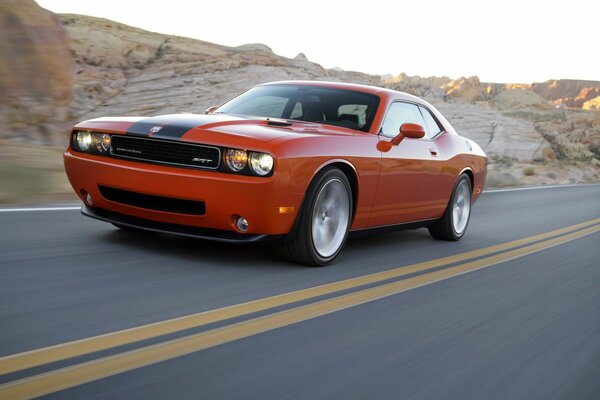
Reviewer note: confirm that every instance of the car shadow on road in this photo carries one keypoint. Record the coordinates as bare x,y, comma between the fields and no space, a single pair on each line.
265,255
262,255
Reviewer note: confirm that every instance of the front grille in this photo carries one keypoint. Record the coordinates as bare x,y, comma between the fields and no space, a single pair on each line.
165,152
151,202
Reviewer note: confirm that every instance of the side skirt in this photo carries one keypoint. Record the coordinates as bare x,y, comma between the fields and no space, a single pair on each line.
391,228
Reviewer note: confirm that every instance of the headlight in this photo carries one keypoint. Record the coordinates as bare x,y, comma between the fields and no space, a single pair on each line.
261,163
102,142
84,140
236,160
91,142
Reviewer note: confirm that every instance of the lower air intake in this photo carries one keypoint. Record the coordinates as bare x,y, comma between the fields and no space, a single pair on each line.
151,202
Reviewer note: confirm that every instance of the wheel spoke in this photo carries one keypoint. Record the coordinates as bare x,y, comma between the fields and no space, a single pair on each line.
330,218
462,207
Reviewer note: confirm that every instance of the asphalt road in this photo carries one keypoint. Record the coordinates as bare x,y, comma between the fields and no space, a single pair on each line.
523,326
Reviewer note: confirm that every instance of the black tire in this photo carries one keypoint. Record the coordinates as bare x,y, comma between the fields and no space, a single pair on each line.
444,228
299,246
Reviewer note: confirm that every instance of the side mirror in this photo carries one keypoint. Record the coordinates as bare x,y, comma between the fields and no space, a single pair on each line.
211,109
413,131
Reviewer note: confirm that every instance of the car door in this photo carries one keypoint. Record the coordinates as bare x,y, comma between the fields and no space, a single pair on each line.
409,171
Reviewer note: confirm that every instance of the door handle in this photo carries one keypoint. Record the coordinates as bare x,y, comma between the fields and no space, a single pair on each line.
433,152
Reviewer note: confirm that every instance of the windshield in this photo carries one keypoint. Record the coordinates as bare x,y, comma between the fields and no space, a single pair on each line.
354,110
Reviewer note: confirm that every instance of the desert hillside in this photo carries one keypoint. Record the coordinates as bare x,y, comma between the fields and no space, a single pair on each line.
66,68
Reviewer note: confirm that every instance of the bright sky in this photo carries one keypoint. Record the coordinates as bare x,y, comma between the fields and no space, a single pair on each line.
519,41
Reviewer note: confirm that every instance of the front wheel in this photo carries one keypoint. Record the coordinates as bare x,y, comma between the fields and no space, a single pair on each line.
453,224
322,226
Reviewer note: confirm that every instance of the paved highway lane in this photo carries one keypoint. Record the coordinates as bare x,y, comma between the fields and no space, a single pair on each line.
528,327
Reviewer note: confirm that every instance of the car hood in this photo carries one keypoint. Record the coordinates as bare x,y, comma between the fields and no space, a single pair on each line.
211,128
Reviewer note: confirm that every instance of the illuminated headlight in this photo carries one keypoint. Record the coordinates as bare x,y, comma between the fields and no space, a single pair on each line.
261,163
236,160
102,142
92,142
83,140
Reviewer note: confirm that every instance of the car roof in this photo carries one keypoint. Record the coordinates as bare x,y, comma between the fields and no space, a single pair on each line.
382,92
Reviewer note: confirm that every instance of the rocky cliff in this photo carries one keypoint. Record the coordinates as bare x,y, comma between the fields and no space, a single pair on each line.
36,79
567,92
120,69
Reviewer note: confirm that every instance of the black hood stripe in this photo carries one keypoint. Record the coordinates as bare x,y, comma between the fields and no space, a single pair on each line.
174,126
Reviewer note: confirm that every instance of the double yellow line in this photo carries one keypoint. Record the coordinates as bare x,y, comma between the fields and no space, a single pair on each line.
63,378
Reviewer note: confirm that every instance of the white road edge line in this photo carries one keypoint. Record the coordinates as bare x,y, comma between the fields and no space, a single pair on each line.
40,209
538,187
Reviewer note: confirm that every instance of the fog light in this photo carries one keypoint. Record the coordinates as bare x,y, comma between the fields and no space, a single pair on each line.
242,224
88,199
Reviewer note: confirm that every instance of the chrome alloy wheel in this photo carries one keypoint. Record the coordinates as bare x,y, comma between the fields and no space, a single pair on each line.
330,218
462,207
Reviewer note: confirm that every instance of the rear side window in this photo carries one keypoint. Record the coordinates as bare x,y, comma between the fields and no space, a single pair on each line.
400,113
432,128
353,112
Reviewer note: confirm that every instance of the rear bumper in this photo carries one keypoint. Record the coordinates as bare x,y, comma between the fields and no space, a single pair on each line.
163,227
225,196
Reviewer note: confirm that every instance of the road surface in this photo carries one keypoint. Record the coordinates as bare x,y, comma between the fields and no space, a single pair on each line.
512,311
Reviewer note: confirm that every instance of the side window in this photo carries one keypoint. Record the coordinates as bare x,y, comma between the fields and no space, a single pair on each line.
353,112
398,114
431,126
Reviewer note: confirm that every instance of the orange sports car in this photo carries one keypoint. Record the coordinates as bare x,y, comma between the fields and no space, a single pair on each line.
308,162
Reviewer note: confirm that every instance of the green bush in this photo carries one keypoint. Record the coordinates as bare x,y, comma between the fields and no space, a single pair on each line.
528,171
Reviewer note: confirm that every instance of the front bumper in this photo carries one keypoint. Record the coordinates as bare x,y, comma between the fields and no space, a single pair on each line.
163,227
225,196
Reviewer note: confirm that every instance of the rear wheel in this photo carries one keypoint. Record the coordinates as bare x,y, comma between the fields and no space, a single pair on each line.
321,228
453,224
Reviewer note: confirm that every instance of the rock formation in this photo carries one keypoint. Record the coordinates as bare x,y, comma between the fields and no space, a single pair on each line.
468,89
431,88
35,71
568,92
593,104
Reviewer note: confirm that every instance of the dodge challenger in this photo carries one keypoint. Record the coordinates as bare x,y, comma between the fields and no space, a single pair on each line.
305,162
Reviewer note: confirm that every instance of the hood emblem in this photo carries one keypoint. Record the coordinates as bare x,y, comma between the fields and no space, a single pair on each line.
155,129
